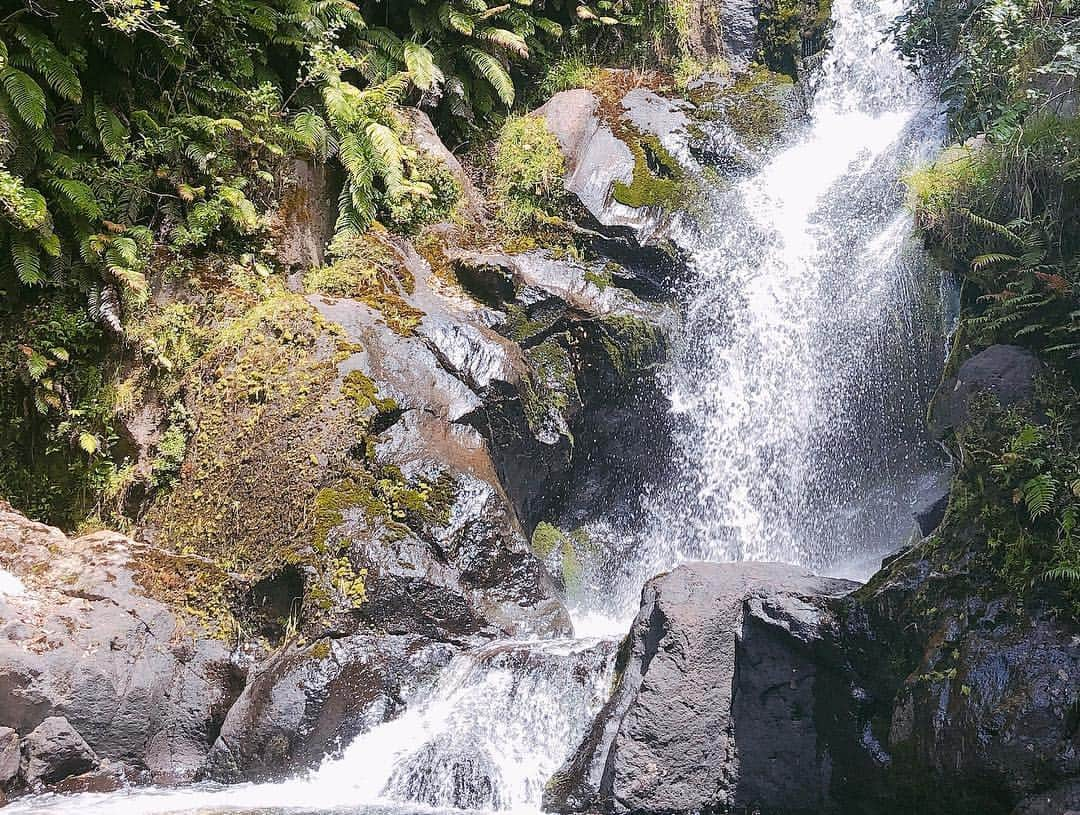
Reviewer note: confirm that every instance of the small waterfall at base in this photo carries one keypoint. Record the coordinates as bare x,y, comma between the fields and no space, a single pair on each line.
813,333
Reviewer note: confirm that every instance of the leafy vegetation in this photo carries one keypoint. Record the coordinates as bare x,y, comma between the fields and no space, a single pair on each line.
1002,208
144,142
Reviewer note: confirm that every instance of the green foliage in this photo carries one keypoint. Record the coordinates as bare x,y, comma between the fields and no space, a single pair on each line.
791,29
573,71
528,172
1003,210
141,136
1020,484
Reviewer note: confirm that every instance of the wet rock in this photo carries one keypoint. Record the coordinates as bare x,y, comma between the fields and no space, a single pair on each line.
930,504
307,702
84,646
1005,372
949,659
53,751
304,222
713,703
10,755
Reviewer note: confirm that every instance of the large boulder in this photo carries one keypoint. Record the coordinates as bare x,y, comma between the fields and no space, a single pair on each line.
628,147
83,646
714,702
54,750
970,694
1004,373
10,756
308,701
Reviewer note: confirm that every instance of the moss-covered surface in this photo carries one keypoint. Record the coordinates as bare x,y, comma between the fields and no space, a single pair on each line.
528,171
791,29
658,179
550,395
633,344
368,269
565,551
756,105
278,452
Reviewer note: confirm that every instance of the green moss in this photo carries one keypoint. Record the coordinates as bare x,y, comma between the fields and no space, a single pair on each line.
632,344
567,549
171,449
546,537
551,391
657,176
962,177
574,71
602,277
528,173
756,105
364,394
367,269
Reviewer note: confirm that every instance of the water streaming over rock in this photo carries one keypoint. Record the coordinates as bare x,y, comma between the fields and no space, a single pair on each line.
813,333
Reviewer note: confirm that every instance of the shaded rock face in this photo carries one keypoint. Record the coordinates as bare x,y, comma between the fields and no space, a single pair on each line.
93,670
309,701
1005,372
718,31
590,349
304,222
971,697
713,708
55,751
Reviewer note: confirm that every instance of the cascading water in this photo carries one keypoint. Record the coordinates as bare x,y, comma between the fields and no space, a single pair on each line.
813,336
813,333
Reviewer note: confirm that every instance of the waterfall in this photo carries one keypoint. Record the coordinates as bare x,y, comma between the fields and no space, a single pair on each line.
812,337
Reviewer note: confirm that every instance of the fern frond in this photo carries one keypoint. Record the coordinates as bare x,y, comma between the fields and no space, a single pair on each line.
78,198
26,96
493,72
507,40
27,261
1039,494
422,68
47,60
111,131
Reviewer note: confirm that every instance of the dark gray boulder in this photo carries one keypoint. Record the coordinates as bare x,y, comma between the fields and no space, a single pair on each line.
971,693
83,644
1004,372
53,751
306,702
714,700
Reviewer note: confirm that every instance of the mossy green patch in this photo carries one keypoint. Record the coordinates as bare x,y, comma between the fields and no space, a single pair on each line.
756,105
528,173
632,344
367,269
657,180
567,549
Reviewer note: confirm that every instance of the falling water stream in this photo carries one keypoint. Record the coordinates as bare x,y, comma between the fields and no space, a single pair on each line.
814,331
